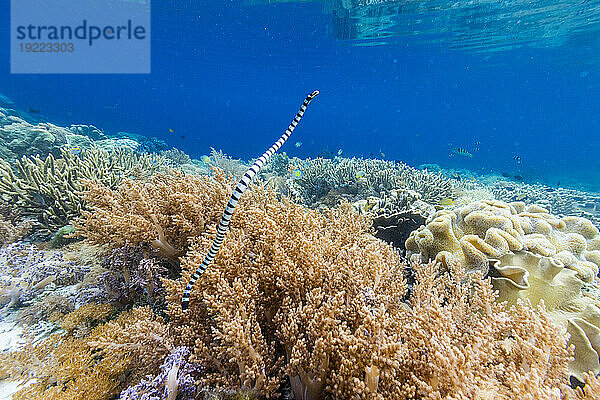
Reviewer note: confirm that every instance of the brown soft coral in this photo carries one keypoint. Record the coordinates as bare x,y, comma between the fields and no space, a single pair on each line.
98,366
288,287
165,212
317,297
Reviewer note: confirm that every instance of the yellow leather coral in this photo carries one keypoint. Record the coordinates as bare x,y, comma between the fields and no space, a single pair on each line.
543,279
485,229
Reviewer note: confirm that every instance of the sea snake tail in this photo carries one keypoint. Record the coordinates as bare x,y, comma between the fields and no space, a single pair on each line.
235,197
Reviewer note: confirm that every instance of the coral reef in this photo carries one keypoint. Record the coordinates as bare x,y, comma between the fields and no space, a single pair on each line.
490,229
175,378
279,299
99,366
49,190
529,276
25,271
304,299
164,212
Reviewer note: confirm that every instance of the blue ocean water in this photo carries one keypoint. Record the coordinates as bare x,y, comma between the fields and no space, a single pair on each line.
505,81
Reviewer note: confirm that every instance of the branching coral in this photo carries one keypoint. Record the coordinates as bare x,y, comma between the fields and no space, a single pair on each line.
356,177
132,275
99,366
49,189
269,274
165,212
25,271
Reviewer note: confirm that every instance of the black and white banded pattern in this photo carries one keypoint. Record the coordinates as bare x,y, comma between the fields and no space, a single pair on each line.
235,197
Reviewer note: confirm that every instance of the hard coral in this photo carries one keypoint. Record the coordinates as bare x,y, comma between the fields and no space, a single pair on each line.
49,189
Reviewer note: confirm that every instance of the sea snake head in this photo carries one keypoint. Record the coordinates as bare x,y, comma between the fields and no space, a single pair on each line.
313,94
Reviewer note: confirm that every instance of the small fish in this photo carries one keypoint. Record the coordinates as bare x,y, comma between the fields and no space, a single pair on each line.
34,111
183,137
447,202
38,197
456,176
76,151
339,152
205,159
298,144
518,178
476,145
297,173
360,174
517,159
506,174
382,154
521,196
171,130
461,152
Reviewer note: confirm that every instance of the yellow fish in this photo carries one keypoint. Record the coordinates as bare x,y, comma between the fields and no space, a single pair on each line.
447,202
171,130
205,159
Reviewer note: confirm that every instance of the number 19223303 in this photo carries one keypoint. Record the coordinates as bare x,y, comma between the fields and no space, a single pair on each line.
36,47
